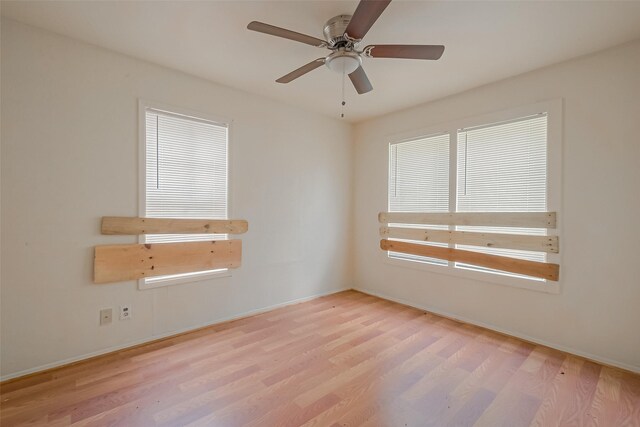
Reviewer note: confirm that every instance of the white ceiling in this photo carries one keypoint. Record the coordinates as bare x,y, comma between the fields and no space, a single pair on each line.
485,41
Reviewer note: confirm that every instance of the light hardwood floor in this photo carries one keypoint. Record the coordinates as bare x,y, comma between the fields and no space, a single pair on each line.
348,359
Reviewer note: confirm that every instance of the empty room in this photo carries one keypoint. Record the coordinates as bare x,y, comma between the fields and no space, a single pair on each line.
320,213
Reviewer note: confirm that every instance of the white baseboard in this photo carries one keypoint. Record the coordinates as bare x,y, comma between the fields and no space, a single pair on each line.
163,335
565,349
603,360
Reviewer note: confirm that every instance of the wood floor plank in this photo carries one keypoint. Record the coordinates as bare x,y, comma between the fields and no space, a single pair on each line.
348,359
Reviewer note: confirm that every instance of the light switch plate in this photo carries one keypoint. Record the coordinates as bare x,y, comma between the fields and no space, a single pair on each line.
106,315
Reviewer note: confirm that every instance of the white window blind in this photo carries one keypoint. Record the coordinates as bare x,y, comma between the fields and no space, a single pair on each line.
419,177
419,182
186,171
503,168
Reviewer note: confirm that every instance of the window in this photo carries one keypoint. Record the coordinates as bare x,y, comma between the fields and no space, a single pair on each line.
503,168
419,182
492,164
185,176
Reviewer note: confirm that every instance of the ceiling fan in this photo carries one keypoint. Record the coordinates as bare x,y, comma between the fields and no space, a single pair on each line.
343,34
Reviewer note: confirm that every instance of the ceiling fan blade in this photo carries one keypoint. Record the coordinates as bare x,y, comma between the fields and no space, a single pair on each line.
261,27
367,12
360,81
301,71
406,51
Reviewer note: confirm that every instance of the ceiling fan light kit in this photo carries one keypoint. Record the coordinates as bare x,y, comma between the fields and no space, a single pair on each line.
342,35
343,61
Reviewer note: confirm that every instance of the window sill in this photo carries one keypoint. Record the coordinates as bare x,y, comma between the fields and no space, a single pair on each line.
549,287
152,283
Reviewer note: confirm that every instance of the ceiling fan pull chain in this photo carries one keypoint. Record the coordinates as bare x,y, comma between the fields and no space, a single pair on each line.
343,103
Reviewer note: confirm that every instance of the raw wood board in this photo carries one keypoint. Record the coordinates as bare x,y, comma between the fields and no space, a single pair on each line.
116,263
489,240
529,268
134,225
494,219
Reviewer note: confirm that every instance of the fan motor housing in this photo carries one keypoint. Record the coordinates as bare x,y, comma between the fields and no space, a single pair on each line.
334,31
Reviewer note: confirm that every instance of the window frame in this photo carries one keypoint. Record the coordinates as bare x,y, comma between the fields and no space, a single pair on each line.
553,108
143,105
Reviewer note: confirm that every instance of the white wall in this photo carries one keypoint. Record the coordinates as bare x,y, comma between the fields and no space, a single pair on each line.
597,313
70,156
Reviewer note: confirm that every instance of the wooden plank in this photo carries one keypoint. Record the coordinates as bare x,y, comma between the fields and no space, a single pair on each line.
116,263
489,240
530,268
133,225
492,219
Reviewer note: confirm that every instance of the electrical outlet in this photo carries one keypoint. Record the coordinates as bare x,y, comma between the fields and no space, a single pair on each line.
106,315
125,312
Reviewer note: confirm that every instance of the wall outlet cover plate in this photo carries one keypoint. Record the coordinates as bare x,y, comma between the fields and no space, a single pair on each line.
125,312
